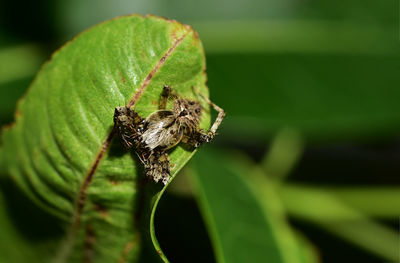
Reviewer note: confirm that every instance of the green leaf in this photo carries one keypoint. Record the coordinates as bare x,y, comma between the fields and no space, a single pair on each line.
377,201
312,36
373,201
28,233
245,224
11,92
17,62
327,211
321,96
18,65
322,68
61,152
283,154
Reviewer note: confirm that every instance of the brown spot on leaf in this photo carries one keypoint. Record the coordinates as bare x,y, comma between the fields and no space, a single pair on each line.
8,126
113,181
196,35
122,78
101,209
128,248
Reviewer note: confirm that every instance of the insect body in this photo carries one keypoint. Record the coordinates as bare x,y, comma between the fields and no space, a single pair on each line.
162,130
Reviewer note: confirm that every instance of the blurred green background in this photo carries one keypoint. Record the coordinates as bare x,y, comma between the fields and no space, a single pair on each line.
311,91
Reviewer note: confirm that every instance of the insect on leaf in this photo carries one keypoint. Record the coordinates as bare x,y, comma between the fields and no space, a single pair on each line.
61,151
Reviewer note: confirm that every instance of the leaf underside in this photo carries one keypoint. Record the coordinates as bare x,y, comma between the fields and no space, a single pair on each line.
245,224
61,152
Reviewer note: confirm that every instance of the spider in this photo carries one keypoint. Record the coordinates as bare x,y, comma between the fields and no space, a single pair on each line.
153,136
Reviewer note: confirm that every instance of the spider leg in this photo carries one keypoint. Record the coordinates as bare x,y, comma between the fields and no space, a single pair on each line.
202,136
128,125
141,158
165,95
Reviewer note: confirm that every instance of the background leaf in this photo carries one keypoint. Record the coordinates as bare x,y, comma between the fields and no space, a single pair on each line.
245,224
328,69
327,211
347,90
28,233
60,151
18,65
